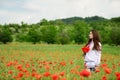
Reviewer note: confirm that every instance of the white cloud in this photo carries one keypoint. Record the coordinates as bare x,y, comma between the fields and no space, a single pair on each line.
31,11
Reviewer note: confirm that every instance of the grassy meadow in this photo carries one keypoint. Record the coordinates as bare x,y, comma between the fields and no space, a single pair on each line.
54,62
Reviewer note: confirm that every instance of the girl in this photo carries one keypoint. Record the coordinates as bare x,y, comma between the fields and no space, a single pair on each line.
92,51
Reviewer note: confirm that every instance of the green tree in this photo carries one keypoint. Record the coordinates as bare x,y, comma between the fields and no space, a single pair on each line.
34,35
116,19
44,22
14,27
48,33
81,31
63,38
22,37
115,35
5,34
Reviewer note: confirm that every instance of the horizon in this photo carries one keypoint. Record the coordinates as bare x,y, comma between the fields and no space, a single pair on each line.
60,19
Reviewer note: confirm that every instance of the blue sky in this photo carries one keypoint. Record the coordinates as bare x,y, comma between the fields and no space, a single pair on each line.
32,11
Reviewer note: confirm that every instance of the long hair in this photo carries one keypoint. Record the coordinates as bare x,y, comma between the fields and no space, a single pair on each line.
96,40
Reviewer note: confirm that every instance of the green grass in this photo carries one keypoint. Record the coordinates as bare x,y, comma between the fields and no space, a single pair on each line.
35,54
114,50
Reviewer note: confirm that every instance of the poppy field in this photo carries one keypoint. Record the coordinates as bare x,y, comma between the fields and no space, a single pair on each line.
55,62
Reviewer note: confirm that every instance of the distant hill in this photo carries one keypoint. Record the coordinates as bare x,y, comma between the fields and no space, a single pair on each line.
71,20
86,19
95,18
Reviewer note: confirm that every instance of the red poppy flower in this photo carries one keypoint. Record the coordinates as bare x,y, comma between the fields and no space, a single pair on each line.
47,67
104,78
10,72
63,63
19,67
85,49
104,65
34,73
73,71
38,76
85,73
62,73
118,78
50,62
9,64
97,70
117,75
107,70
24,70
55,77
20,74
46,74
27,65
63,79
27,74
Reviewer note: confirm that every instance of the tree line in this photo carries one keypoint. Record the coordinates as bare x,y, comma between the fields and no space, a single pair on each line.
74,30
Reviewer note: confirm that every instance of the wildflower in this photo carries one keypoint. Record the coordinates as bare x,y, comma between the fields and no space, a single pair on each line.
107,70
85,73
55,77
46,74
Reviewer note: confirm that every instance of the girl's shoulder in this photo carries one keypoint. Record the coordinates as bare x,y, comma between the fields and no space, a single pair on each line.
99,43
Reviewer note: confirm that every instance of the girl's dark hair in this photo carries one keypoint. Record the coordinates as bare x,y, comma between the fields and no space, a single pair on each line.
96,40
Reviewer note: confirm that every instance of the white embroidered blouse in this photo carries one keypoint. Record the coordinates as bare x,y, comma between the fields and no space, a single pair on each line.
93,55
